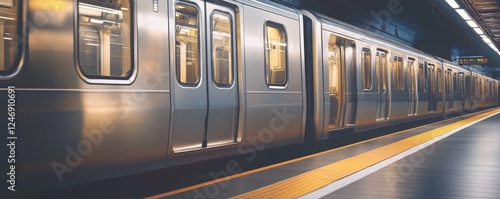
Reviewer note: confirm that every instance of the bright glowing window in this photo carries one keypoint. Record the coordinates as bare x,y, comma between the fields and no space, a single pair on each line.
105,41
187,52
11,46
222,49
276,54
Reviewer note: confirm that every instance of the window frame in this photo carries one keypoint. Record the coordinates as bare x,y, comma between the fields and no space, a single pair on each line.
105,80
398,74
19,60
448,81
201,68
431,80
421,77
234,60
467,84
439,82
395,74
401,68
266,56
363,70
410,70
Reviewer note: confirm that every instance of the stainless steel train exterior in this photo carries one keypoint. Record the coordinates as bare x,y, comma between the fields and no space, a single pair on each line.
113,88
363,81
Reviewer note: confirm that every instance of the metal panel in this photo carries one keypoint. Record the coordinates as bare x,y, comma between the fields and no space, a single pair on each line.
274,114
124,127
319,120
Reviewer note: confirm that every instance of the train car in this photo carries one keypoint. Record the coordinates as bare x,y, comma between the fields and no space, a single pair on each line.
103,89
112,88
364,81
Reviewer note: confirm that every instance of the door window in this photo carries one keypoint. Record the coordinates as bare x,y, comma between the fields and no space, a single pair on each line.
276,54
222,49
187,54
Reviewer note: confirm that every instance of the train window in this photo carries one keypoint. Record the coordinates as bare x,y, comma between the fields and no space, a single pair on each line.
460,83
398,75
395,74
439,80
366,68
401,74
222,49
480,87
429,77
489,87
384,67
456,82
334,62
467,85
421,78
377,71
448,81
474,86
105,44
10,28
452,82
187,54
411,75
276,54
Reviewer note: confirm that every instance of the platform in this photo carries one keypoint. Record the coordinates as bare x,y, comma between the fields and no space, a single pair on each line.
453,158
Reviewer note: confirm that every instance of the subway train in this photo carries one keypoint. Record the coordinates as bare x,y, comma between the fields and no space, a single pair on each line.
97,89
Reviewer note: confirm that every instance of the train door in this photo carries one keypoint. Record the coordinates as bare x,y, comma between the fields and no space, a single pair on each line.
204,91
448,89
431,80
221,75
422,87
336,56
412,87
461,89
381,68
474,97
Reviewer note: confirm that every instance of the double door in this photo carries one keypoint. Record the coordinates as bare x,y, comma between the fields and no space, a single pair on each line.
383,89
412,88
204,91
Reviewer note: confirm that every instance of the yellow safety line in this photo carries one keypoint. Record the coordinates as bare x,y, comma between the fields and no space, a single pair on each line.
307,182
193,187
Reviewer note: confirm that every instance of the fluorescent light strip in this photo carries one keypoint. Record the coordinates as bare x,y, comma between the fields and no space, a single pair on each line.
96,21
452,4
487,40
479,31
472,24
492,46
463,14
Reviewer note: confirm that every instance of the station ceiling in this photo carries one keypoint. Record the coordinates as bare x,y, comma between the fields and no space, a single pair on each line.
428,25
487,13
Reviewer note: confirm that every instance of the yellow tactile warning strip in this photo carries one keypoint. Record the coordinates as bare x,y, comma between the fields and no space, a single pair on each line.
307,182
190,188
